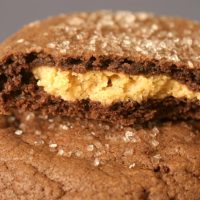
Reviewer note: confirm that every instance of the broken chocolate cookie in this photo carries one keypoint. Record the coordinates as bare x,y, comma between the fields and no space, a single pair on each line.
113,66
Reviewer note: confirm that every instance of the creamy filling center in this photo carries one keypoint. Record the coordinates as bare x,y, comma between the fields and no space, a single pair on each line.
107,87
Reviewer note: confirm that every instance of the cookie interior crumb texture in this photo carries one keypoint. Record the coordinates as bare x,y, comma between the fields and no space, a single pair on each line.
108,87
83,159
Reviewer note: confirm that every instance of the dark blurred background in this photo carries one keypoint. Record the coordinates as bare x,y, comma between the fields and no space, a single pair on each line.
16,13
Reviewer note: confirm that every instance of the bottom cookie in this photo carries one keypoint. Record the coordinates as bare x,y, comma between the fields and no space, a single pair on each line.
45,158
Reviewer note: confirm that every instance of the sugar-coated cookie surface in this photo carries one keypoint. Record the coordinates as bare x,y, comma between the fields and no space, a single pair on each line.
120,67
45,158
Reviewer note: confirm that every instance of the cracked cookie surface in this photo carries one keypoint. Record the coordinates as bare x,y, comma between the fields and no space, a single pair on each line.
53,158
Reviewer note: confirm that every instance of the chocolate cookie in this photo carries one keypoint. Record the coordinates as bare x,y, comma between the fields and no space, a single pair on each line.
81,159
122,67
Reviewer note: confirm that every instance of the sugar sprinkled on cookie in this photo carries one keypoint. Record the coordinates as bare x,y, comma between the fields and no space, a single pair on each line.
101,163
121,67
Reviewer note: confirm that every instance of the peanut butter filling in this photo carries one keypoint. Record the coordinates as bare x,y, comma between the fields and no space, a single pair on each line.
107,87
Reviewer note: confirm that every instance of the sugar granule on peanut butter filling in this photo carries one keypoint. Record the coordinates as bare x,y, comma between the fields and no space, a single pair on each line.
108,87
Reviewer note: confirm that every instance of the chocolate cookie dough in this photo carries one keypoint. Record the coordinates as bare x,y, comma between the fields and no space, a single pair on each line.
85,159
121,67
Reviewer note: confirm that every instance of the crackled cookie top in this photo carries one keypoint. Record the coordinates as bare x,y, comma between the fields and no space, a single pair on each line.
74,158
120,33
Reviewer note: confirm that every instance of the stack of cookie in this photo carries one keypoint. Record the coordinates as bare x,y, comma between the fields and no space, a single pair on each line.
101,105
